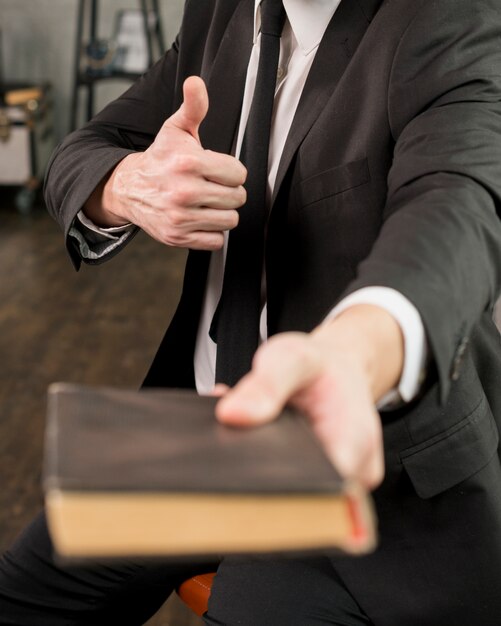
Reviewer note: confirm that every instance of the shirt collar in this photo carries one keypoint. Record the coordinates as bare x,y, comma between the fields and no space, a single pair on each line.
308,19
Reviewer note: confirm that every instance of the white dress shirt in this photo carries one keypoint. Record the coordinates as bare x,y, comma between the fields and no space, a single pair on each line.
303,31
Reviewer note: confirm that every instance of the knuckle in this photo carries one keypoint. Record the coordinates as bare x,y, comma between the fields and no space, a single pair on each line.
241,195
242,173
233,219
176,219
173,239
215,241
181,196
186,163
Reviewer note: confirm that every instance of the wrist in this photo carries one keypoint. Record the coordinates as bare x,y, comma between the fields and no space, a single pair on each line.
105,206
371,340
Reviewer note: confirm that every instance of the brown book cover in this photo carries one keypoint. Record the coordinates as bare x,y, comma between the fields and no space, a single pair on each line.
152,473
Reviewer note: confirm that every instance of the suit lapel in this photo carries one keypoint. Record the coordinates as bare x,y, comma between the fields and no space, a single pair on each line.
226,80
338,45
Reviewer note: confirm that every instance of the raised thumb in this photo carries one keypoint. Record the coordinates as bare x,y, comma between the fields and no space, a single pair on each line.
195,105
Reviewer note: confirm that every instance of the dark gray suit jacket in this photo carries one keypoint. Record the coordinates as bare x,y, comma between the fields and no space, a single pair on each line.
391,175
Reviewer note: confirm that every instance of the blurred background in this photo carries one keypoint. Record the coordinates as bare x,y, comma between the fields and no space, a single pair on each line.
40,38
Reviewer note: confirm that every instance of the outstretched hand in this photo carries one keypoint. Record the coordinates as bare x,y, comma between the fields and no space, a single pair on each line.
334,376
178,192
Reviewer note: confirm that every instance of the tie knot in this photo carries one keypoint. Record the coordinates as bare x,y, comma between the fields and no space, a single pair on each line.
272,17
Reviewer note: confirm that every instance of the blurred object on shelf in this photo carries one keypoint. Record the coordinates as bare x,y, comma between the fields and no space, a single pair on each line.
26,137
133,52
27,96
136,43
98,58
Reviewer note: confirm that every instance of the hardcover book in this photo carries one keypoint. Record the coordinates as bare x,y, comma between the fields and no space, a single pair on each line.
151,473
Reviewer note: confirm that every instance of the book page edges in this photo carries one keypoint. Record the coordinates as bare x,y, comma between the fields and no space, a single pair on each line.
90,524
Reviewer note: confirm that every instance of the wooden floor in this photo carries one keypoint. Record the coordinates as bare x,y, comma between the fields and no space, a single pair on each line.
98,326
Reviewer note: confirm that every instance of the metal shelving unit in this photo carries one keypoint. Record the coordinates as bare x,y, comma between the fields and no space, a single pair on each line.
87,34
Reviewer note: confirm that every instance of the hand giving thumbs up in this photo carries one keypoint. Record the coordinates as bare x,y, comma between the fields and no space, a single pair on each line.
178,192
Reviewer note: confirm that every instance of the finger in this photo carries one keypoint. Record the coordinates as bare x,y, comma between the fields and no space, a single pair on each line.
353,440
209,220
193,240
194,108
223,169
371,470
201,240
366,469
196,193
281,368
224,198
219,390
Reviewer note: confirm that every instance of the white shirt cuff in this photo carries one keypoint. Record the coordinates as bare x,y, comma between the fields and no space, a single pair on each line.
95,242
111,232
415,343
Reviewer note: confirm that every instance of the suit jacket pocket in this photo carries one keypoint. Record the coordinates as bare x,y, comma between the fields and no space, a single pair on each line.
454,455
333,181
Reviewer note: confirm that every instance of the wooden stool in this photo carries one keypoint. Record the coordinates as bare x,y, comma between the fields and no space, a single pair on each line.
195,592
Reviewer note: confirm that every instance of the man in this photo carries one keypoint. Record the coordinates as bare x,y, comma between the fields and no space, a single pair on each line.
382,265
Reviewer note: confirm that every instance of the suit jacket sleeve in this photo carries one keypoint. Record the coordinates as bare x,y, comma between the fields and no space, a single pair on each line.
127,125
440,244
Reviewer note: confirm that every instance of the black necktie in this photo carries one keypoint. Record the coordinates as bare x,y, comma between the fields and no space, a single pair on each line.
235,326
